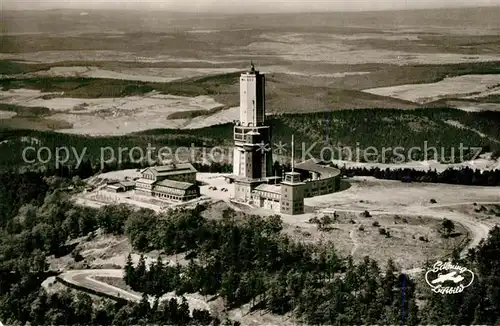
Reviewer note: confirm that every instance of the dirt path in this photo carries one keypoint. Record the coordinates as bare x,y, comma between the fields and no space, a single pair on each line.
354,241
462,126
465,203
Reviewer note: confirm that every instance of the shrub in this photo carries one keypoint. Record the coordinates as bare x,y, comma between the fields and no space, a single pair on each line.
382,231
76,255
325,220
366,214
376,224
433,201
314,220
447,227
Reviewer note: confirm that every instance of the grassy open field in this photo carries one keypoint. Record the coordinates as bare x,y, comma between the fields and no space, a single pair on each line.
286,93
384,236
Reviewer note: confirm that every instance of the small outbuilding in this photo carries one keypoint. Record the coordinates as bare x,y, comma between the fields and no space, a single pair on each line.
120,186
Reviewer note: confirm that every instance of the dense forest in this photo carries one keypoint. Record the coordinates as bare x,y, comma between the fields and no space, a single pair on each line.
240,260
462,176
83,87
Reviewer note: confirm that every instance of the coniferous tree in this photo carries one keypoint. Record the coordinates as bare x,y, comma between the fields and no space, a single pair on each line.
129,272
140,274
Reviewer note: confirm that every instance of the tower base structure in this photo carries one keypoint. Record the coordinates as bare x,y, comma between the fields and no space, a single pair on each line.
243,189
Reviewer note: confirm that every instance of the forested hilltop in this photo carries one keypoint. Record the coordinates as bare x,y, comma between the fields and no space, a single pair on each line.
444,129
239,260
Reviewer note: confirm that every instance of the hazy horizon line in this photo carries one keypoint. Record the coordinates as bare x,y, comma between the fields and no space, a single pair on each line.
236,12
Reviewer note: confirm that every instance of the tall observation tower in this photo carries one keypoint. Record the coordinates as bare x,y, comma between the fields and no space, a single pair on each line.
252,157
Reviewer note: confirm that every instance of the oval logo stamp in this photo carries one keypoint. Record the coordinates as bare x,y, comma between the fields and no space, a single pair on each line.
447,278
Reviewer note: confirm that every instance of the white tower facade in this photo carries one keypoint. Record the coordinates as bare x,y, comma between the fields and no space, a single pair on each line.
252,99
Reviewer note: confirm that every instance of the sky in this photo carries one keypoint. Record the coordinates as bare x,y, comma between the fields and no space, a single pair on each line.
244,5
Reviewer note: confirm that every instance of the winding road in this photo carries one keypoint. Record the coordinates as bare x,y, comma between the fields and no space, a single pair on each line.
86,278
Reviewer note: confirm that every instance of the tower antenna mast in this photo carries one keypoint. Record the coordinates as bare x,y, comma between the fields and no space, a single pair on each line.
292,152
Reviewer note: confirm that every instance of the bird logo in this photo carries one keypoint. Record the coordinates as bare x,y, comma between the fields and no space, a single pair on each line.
452,276
447,278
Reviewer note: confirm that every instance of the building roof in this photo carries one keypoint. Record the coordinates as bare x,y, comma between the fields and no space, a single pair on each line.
114,186
171,169
240,179
146,181
273,178
174,184
127,183
269,188
320,167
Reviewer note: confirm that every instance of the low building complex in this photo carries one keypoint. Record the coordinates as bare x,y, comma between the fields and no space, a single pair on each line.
175,182
319,178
